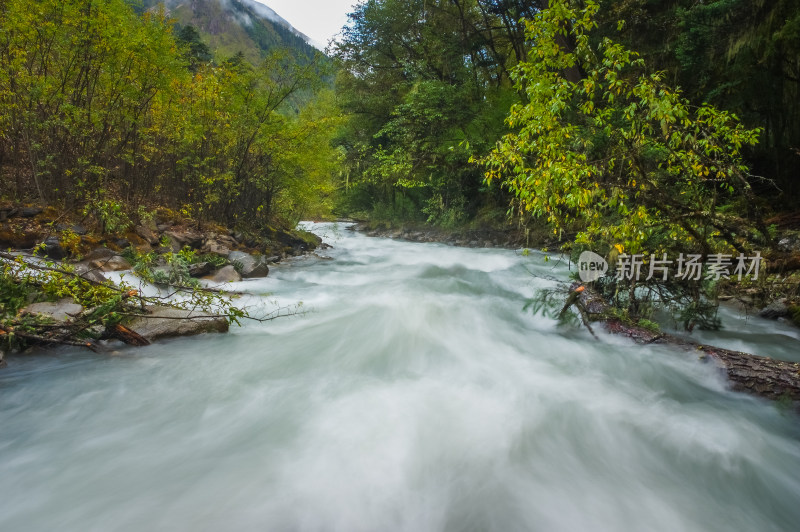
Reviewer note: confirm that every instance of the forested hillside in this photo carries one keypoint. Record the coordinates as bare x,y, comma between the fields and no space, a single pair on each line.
230,27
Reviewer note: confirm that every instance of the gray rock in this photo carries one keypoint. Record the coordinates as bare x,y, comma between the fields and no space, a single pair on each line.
789,243
201,269
59,311
228,274
90,274
53,249
249,266
114,263
168,322
146,234
101,252
179,239
77,229
216,247
30,212
778,309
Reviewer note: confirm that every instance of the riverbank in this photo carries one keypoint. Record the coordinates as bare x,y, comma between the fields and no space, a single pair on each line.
56,287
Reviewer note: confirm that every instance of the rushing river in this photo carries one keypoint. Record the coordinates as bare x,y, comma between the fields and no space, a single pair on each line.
414,395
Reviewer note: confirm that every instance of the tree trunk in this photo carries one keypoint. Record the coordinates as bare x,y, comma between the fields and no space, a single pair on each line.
762,376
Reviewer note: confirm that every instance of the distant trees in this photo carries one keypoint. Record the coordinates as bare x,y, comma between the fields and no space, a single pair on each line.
426,84
99,102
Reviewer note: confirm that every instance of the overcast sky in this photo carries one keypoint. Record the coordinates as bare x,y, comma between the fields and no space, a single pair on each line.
319,19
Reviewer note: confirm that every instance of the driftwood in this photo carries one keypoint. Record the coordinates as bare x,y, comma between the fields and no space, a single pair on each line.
763,376
128,336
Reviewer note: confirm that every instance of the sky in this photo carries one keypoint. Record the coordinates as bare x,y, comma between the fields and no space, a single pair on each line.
319,19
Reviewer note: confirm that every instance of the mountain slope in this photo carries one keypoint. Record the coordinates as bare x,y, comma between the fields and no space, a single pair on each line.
232,26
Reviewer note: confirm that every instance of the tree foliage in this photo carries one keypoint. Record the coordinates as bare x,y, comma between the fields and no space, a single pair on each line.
618,152
425,84
98,101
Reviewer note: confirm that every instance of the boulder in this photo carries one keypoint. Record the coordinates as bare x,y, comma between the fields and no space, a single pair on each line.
216,247
77,229
59,311
249,266
30,212
201,269
789,243
179,239
146,234
115,263
168,322
53,248
90,274
777,309
228,274
98,253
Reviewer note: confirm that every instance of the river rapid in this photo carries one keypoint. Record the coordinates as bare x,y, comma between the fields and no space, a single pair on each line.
414,395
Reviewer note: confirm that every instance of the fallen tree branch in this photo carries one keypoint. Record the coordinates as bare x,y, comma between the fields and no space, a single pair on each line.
48,340
758,375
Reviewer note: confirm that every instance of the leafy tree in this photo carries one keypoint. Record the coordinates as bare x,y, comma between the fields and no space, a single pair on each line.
425,83
101,106
618,154
196,51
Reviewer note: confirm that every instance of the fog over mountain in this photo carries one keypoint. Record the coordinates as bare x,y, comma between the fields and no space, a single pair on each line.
232,26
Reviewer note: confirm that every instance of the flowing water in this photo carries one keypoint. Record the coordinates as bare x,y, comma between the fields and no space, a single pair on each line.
414,395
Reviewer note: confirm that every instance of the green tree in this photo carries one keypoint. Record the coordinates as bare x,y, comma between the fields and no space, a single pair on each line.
196,51
425,84
618,155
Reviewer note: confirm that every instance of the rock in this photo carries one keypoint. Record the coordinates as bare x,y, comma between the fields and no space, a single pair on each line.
98,253
114,263
789,243
249,266
89,273
179,239
201,269
215,247
30,212
59,311
77,229
53,249
168,322
273,259
2,359
228,274
778,309
123,243
146,234
23,240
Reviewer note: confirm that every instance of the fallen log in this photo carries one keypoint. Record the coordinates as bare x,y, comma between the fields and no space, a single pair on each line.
766,377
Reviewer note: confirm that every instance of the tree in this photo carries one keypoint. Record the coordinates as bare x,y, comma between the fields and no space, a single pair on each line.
196,51
618,155
426,83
